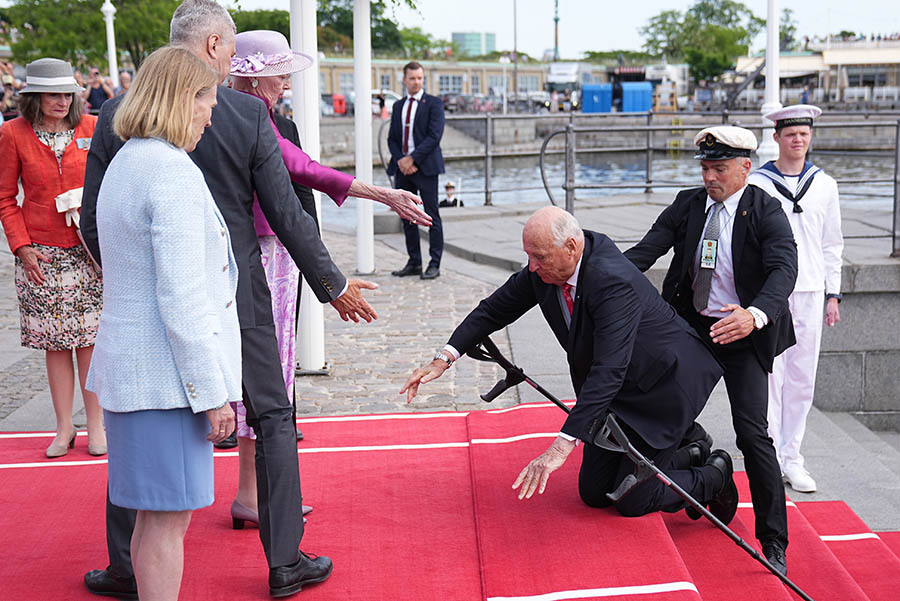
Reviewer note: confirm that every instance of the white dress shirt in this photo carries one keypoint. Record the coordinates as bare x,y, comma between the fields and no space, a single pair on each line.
723,290
412,117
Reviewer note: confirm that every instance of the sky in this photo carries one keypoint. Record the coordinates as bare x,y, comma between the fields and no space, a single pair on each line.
590,25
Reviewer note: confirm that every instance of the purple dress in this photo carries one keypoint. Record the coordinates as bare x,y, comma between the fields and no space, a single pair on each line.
281,271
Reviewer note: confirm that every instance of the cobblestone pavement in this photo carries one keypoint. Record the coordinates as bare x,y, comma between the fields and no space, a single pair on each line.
370,362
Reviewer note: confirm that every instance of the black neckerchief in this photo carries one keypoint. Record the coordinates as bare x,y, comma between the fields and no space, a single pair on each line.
807,174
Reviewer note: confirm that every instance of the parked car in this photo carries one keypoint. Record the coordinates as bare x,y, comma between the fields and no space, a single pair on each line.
452,102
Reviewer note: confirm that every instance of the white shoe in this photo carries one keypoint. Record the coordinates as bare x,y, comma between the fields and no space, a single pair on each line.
799,479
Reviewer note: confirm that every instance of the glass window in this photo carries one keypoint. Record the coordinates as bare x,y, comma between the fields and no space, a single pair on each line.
528,83
497,83
450,84
476,84
322,88
385,81
346,83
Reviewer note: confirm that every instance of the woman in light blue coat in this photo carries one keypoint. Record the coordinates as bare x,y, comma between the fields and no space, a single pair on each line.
167,358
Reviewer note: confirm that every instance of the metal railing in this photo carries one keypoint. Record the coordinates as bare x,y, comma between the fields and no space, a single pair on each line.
571,131
870,119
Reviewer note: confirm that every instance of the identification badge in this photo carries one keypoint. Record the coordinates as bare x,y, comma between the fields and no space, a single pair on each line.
83,143
708,254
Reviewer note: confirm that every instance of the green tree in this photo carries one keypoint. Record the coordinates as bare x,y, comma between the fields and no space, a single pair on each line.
708,36
337,15
74,30
787,31
273,20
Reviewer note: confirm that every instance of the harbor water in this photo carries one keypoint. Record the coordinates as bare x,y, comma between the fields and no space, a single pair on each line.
518,180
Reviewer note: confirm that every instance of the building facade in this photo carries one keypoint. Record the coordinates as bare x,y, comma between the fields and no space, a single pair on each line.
474,43
441,77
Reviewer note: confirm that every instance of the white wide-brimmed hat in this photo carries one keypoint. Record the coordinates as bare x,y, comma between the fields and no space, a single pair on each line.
51,76
263,53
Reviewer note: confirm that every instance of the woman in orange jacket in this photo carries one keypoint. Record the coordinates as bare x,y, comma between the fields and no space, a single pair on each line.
59,289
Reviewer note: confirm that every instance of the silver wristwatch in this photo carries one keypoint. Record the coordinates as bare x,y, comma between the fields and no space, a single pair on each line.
440,355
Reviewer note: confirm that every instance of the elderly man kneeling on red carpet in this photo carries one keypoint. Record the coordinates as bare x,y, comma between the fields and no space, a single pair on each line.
629,353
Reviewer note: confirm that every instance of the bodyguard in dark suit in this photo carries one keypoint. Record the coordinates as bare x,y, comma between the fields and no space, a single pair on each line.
734,267
629,354
414,139
239,156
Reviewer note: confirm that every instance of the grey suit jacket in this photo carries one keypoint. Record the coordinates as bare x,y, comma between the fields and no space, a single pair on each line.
238,155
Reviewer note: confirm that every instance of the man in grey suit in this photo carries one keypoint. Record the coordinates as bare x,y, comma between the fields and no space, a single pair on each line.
239,155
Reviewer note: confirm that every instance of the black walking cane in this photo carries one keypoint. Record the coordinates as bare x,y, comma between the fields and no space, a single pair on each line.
612,438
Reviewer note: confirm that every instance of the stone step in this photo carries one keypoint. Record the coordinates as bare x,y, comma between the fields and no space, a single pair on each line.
851,470
868,439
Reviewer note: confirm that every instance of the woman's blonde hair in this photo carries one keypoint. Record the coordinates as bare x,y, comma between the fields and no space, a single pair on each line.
155,106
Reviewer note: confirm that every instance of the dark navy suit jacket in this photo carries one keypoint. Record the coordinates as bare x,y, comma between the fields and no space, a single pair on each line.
764,256
628,351
427,130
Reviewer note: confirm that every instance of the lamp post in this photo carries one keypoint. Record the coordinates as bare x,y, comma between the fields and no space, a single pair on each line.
504,60
305,100
109,12
768,149
362,83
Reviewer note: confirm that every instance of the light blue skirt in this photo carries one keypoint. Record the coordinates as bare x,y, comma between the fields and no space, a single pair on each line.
159,460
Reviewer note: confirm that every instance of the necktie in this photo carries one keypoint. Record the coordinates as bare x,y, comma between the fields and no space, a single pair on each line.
704,276
567,295
406,127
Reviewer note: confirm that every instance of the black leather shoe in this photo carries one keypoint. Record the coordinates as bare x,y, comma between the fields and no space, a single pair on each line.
724,503
228,443
287,580
774,553
691,455
432,272
410,269
299,434
107,583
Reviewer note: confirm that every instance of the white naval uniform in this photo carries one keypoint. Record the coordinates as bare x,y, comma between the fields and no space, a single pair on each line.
817,231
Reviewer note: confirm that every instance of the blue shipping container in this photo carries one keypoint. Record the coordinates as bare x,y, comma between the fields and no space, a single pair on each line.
637,96
596,98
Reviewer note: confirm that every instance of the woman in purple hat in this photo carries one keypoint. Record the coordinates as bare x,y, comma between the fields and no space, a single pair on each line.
262,67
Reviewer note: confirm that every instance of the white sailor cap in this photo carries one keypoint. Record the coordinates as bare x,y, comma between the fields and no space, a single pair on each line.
796,114
724,142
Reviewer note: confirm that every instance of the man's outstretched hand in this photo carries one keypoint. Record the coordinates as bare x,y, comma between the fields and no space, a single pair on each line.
535,475
352,306
426,373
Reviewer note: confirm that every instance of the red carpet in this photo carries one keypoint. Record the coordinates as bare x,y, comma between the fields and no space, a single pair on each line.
419,508
862,553
892,540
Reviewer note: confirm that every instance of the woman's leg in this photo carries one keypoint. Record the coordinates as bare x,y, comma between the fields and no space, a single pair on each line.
96,434
61,379
157,553
246,493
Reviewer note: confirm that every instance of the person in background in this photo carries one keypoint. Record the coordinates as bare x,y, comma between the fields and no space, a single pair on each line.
168,354
9,92
804,96
59,290
97,91
124,83
414,139
809,198
262,67
451,200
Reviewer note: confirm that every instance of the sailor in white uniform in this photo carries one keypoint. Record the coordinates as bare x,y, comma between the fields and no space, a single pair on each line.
809,196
